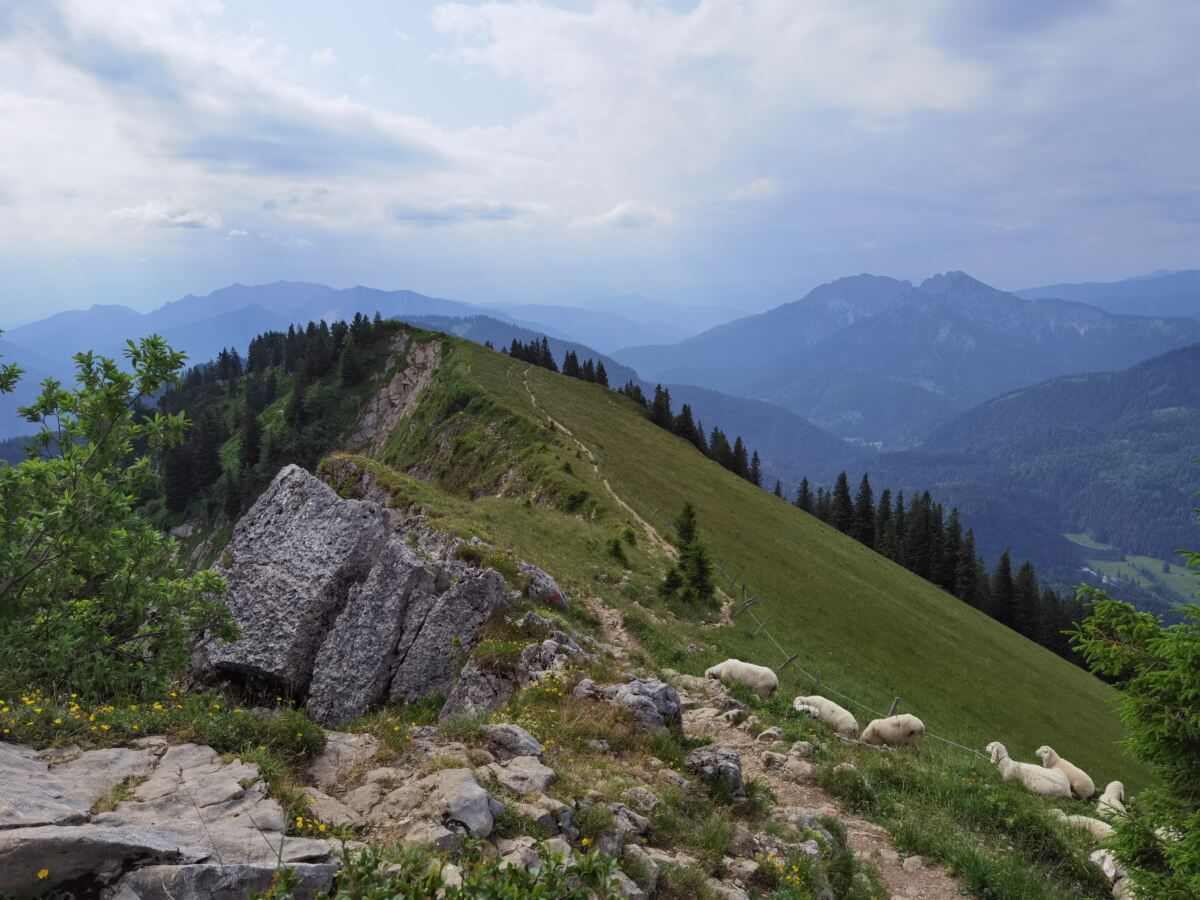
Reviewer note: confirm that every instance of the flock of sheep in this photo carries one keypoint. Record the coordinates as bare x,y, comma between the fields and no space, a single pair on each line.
1055,777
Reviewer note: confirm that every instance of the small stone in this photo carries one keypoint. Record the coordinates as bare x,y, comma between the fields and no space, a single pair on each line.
810,848
770,736
772,760
913,864
844,768
642,800
801,749
507,741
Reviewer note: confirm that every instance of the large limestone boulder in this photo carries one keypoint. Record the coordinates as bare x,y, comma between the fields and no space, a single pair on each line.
214,881
335,609
655,704
441,808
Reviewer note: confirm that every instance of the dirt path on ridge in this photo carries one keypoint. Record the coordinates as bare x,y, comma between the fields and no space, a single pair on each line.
652,535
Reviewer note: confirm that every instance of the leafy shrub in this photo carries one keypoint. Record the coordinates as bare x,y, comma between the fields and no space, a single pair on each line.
93,598
617,552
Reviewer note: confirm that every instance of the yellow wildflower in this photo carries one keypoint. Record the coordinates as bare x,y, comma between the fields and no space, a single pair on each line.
43,874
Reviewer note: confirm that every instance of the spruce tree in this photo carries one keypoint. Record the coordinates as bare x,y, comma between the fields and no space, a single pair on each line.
1027,602
178,483
251,446
951,551
660,408
719,449
545,357
755,475
883,515
570,366
778,489
685,427
685,525
206,458
588,371
1000,606
741,462
601,375
823,505
804,498
351,365
862,526
966,585
841,513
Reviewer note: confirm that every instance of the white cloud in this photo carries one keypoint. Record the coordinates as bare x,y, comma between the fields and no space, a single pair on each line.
322,58
236,233
758,189
628,214
163,214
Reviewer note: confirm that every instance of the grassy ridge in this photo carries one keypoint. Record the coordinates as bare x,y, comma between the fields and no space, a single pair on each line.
873,629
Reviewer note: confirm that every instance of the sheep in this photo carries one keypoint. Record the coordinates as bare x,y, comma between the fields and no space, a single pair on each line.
895,731
759,679
1111,804
1082,785
1035,779
836,717
1100,830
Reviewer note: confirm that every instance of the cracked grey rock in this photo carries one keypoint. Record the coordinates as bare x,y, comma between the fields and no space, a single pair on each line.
522,775
717,764
213,881
506,741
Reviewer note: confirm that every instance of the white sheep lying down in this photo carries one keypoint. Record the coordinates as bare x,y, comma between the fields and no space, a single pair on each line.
1082,785
1035,779
1112,802
836,717
759,679
1100,830
895,731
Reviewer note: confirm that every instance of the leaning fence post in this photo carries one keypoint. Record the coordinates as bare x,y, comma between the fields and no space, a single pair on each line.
818,681
895,706
761,626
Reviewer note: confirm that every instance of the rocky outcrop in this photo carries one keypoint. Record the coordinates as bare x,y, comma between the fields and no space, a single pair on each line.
440,809
483,689
187,811
335,609
540,586
654,704
214,881
388,407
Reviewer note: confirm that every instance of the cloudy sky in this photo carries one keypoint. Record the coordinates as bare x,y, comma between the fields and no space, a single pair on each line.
732,151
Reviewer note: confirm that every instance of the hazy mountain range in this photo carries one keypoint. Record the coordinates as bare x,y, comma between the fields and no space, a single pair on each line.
881,361
1162,293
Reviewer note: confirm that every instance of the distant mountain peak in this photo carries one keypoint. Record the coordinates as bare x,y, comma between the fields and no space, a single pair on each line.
955,281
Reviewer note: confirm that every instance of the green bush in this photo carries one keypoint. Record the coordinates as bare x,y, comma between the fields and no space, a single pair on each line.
93,598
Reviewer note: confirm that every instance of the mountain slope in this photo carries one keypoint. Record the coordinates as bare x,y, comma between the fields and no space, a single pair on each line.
1165,294
606,331
871,628
1111,452
756,343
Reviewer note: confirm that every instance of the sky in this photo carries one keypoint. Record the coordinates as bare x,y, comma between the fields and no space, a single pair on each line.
731,152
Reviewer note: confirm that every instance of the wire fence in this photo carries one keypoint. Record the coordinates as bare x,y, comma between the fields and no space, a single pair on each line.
745,608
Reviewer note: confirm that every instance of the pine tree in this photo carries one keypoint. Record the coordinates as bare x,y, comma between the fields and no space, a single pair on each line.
545,357
883,515
206,458
251,446
966,585
823,506
601,375
841,513
951,551
778,489
685,427
1027,602
685,525
1000,606
351,365
588,371
660,408
741,462
804,498
916,536
570,366
719,449
862,525
755,475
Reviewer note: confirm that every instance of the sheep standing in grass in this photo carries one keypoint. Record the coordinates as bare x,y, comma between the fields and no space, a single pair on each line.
1100,830
759,679
1035,779
837,718
1112,802
1082,785
895,731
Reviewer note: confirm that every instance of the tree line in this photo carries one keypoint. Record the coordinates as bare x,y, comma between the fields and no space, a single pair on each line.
228,397
920,535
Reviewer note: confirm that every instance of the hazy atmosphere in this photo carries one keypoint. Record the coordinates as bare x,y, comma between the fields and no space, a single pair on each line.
728,152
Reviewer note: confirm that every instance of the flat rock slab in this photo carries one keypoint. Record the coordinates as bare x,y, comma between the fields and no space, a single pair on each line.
217,882
67,852
33,792
522,775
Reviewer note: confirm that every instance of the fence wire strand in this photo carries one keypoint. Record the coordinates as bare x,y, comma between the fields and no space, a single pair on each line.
789,658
